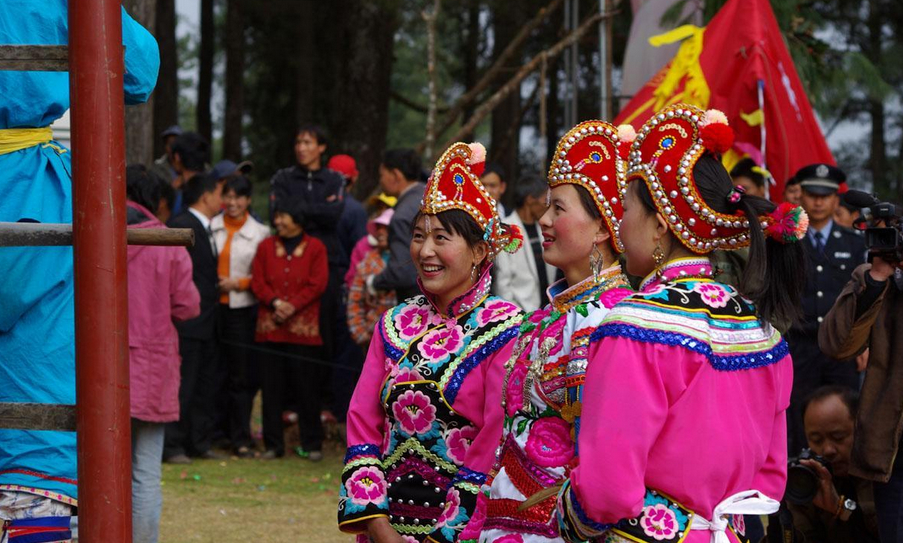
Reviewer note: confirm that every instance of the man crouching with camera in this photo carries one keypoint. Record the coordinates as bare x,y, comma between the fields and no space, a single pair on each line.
827,503
868,314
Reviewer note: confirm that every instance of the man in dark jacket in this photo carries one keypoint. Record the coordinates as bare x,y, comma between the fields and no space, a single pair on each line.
201,377
399,176
318,193
869,314
833,252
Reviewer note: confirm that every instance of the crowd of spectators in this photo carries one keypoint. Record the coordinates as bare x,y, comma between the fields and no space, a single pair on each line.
292,314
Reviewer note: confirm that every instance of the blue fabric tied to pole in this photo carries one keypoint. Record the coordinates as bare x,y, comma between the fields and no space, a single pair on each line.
37,351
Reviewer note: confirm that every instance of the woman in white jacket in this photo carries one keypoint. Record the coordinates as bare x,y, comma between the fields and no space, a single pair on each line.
236,235
523,277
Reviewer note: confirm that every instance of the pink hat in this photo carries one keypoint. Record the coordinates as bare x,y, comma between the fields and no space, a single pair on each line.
381,219
344,164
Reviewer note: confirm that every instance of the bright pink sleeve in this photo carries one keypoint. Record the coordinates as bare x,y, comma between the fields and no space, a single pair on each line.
772,478
628,391
366,420
481,454
366,435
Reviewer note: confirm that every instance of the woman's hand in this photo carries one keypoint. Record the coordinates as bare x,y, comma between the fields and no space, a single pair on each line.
284,310
380,531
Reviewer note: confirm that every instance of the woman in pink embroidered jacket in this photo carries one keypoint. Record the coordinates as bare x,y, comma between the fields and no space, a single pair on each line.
426,414
543,388
688,361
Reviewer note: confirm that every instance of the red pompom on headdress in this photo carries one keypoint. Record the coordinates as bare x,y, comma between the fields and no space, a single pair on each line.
626,137
717,136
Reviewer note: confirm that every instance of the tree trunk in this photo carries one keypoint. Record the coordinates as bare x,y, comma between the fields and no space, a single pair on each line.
205,71
363,119
166,94
304,62
507,21
235,66
139,129
878,146
470,45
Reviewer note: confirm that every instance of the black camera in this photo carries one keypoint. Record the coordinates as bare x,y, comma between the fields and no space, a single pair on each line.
803,481
884,241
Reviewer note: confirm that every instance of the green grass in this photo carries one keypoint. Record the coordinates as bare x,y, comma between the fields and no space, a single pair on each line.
241,500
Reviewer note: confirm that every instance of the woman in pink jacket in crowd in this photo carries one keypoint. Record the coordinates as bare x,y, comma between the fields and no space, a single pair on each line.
683,429
160,291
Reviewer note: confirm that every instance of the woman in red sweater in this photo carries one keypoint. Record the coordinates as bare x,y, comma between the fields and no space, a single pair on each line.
289,275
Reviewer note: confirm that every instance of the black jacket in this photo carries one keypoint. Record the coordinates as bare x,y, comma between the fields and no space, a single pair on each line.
204,263
312,188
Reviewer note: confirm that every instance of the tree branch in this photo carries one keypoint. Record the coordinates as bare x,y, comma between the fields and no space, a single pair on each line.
468,97
490,104
410,104
430,18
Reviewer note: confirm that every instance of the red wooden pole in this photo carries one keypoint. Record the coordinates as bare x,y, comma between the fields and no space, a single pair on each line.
101,312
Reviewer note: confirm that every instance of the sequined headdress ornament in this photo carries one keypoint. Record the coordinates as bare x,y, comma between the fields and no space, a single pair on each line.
455,184
591,155
663,156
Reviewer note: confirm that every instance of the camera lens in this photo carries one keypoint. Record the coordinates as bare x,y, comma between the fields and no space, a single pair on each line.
802,484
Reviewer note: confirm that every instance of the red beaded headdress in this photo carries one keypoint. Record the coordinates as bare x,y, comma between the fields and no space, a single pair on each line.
663,155
591,155
455,184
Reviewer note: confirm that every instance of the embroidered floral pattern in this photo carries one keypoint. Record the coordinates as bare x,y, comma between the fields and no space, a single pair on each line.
366,485
413,320
414,412
739,524
509,538
549,443
514,391
405,375
713,294
659,522
609,298
450,512
458,441
495,311
438,346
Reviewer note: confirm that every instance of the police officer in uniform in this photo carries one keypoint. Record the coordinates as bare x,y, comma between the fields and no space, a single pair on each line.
833,252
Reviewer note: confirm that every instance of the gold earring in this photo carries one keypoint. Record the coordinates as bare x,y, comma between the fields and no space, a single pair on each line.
658,256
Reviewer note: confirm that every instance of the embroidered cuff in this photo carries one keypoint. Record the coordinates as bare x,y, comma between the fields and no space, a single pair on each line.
363,492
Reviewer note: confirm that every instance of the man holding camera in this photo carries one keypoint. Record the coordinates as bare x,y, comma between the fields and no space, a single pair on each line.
832,252
869,314
842,509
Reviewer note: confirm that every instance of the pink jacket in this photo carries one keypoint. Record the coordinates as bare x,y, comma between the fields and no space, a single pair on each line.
160,291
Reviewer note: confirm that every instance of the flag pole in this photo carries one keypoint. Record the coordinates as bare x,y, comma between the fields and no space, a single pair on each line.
760,88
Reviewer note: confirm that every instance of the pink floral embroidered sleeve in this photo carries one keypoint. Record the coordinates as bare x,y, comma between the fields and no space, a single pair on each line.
363,492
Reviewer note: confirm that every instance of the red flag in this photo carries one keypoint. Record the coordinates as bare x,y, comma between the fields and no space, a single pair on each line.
723,66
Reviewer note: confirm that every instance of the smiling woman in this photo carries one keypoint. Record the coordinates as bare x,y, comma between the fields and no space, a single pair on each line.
426,415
